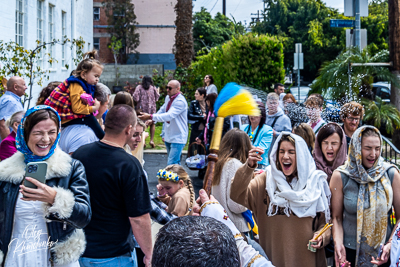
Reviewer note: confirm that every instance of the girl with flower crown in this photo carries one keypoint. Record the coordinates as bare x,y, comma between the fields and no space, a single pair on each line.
175,189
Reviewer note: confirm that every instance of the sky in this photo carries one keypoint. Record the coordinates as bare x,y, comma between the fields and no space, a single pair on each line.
242,9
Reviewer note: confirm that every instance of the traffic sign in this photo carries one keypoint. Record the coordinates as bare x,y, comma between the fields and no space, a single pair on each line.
342,23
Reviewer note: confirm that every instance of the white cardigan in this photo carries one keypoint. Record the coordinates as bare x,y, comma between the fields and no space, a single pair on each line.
221,193
176,131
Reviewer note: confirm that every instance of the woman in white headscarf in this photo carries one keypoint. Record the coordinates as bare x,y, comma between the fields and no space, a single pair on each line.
290,202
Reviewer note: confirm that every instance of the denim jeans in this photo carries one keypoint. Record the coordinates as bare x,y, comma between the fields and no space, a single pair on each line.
121,261
174,151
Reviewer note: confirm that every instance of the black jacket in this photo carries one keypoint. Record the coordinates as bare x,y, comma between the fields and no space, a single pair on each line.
195,114
67,216
210,127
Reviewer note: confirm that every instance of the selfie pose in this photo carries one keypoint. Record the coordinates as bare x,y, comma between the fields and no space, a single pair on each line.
45,197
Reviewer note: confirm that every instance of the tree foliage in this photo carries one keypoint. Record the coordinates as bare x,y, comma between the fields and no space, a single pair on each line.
122,20
377,25
209,32
381,114
254,60
183,49
18,61
334,74
308,22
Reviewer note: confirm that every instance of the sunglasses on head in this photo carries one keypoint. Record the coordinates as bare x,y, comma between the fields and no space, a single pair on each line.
169,88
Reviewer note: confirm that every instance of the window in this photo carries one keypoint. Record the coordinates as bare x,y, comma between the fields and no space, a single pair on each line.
64,33
96,13
19,22
39,29
96,43
51,30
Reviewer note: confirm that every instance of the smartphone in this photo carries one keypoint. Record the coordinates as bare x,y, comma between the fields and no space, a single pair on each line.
380,251
37,171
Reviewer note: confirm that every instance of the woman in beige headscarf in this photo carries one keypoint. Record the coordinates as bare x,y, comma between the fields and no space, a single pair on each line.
363,192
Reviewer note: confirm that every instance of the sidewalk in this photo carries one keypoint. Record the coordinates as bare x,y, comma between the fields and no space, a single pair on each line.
160,151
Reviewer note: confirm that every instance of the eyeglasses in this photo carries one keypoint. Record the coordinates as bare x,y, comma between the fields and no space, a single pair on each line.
353,119
169,88
206,77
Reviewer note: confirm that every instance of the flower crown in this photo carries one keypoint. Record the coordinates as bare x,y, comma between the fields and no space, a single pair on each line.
167,176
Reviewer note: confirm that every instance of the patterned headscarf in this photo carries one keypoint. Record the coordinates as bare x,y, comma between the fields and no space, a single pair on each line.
375,197
20,140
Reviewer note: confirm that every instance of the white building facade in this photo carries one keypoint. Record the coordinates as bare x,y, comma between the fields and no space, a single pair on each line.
26,21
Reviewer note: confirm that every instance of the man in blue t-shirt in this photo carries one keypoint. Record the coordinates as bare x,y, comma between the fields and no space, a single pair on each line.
10,103
119,195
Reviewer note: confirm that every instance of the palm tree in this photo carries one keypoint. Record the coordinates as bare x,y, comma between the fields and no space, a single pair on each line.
184,51
382,115
335,74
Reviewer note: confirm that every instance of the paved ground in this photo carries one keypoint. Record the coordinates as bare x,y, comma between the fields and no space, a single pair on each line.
154,162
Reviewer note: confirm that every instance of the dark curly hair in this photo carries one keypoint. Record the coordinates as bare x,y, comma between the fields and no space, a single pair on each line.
46,91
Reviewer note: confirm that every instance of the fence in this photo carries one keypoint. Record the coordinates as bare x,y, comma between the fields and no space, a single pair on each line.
128,73
390,153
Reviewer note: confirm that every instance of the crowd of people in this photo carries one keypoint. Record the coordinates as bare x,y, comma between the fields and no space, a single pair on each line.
287,191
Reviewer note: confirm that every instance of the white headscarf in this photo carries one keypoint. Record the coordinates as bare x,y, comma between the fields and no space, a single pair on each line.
310,194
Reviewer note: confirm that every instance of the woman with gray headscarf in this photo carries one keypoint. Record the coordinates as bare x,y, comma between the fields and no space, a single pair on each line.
363,192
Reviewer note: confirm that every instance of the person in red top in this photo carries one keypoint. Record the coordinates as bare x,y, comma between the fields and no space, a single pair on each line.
7,146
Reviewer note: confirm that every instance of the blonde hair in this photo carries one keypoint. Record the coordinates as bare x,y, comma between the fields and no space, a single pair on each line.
16,117
235,144
272,96
183,176
138,152
306,132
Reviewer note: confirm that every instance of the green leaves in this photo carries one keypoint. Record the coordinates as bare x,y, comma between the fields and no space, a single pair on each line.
210,32
253,60
380,114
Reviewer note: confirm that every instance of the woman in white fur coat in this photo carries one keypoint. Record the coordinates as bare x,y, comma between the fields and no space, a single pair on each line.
42,226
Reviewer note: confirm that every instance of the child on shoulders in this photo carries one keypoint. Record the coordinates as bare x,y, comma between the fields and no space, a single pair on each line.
74,98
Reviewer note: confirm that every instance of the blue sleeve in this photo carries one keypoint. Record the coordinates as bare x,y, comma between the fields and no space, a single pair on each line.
266,138
7,109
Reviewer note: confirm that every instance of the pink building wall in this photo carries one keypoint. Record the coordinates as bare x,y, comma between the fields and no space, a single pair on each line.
155,40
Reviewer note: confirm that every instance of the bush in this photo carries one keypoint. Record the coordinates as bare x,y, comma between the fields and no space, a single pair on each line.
256,61
189,82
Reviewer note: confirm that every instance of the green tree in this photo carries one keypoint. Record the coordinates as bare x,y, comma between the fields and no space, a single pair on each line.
209,32
122,21
308,22
335,75
115,46
18,61
381,114
254,60
377,25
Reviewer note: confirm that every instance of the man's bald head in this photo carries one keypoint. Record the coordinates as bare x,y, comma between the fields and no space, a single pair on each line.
16,85
173,87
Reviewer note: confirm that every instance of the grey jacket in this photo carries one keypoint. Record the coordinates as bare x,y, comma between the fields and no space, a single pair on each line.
282,123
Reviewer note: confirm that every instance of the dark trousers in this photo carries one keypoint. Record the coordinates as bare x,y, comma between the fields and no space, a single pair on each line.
89,121
195,133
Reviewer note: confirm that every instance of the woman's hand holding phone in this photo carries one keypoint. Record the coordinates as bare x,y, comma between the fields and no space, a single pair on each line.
42,193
